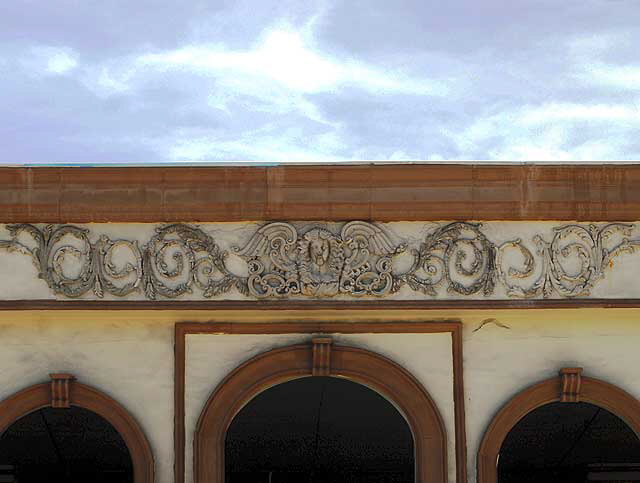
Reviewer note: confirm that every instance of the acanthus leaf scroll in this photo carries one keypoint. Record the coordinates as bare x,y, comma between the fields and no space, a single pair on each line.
457,254
588,249
177,258
356,260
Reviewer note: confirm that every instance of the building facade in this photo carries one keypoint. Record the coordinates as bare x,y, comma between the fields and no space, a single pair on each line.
469,296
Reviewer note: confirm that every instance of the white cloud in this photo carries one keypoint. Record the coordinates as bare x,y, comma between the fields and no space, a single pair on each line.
110,78
267,144
587,53
400,155
553,112
274,78
113,82
585,47
233,92
550,132
285,56
615,76
51,60
311,83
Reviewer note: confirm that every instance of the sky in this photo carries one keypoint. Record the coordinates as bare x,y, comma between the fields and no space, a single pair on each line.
122,81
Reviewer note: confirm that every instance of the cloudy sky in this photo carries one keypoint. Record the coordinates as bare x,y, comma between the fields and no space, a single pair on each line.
102,81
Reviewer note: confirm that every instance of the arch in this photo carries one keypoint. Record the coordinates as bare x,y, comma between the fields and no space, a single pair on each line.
569,386
320,358
71,393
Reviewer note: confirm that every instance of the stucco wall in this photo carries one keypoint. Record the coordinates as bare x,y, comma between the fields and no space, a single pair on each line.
129,355
427,356
501,362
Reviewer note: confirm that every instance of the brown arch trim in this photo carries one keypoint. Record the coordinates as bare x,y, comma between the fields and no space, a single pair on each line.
594,391
40,396
293,362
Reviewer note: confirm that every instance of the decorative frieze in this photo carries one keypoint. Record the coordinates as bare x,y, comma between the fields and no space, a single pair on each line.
354,259
175,260
319,263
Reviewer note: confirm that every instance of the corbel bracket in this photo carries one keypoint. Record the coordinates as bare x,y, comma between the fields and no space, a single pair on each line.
321,356
61,390
571,380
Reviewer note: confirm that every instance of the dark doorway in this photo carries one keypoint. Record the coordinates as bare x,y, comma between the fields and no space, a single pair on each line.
319,430
569,443
67,445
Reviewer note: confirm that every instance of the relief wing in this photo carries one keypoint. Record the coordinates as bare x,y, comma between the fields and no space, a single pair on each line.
276,241
361,235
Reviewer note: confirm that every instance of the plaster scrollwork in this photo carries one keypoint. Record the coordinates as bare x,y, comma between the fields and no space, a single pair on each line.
458,255
571,264
357,259
177,258
356,262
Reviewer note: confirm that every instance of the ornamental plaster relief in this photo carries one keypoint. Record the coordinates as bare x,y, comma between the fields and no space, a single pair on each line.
298,260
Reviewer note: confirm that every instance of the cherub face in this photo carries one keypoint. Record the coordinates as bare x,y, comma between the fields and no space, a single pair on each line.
319,251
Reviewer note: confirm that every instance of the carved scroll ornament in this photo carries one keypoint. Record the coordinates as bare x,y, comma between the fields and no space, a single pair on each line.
319,263
357,260
176,259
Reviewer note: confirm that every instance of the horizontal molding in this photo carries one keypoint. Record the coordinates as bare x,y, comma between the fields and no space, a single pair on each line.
186,305
391,192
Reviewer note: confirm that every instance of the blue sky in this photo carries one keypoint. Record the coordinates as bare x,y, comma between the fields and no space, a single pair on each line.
264,80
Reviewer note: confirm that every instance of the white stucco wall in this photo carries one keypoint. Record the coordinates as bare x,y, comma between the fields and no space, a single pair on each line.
501,362
211,357
129,355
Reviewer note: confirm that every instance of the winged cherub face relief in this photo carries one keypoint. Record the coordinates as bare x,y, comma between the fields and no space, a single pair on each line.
319,249
318,262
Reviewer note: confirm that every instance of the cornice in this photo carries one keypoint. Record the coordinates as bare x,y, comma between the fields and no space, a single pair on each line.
391,192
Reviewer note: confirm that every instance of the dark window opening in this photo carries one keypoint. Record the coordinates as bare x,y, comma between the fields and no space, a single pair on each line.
569,443
319,430
73,445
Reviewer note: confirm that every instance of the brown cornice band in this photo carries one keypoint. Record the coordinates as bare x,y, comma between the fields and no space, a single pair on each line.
316,304
390,192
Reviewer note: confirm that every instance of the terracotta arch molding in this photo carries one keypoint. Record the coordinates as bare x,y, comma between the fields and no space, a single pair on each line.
570,386
63,392
321,358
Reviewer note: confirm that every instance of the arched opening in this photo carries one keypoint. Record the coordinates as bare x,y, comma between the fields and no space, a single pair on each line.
70,410
569,443
73,445
564,426
319,360
317,430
